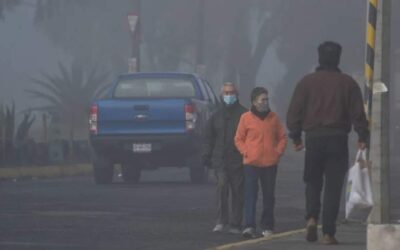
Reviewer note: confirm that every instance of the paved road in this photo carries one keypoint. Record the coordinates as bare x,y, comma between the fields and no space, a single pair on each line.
165,211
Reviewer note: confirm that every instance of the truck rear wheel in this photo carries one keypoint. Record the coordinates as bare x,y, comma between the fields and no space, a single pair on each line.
130,174
103,171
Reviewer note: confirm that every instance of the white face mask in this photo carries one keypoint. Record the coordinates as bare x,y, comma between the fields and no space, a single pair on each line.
229,99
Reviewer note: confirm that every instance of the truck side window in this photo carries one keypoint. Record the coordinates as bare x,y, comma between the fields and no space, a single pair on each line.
206,97
213,98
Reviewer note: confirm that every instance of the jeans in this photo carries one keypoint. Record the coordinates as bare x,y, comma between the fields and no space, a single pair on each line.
326,161
267,178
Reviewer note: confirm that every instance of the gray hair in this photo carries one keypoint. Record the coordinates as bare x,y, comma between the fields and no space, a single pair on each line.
230,84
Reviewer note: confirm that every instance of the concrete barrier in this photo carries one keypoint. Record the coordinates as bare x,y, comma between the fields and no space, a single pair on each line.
383,237
44,172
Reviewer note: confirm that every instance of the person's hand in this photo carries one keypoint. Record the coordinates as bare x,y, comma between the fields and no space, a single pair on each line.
362,145
298,147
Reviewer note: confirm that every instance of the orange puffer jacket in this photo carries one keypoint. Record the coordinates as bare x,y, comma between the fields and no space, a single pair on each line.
261,142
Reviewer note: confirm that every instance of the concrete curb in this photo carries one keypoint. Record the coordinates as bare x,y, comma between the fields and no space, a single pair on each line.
45,172
261,239
383,236
258,240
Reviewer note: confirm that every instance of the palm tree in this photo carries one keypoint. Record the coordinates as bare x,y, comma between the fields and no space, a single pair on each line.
69,95
7,124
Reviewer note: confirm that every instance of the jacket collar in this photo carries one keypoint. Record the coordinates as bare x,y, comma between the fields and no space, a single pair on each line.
328,68
230,107
260,115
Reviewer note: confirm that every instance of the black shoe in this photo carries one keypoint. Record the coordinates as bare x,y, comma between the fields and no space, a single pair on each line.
312,230
329,240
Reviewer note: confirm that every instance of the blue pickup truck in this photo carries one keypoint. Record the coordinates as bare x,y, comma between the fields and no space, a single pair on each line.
150,120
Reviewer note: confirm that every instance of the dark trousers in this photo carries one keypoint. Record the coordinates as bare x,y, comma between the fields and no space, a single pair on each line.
230,182
326,161
267,178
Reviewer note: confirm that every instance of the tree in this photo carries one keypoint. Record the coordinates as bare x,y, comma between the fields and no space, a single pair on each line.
92,31
7,124
242,31
308,23
25,146
247,49
7,5
168,33
70,94
238,34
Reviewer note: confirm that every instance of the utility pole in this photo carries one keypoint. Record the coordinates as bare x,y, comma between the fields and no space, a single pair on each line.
135,23
200,66
379,148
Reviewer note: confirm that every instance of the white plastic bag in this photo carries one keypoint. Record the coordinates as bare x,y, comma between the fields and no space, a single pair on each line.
359,200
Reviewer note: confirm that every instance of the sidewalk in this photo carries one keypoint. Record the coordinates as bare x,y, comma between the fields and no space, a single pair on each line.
56,171
289,213
350,237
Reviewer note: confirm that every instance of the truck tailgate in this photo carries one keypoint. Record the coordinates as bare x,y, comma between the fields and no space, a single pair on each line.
142,116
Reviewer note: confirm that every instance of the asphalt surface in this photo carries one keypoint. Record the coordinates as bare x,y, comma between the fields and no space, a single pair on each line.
164,211
76,214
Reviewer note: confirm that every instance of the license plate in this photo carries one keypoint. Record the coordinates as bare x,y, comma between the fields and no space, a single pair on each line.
142,147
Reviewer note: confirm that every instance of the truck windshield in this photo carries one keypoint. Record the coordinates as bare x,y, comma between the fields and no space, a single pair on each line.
154,87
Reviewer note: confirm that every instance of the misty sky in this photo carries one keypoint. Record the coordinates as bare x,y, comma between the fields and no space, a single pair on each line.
24,53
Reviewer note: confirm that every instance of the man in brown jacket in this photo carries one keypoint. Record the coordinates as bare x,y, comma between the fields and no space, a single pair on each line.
325,105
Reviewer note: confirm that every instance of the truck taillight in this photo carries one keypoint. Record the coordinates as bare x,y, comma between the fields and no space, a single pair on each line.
93,119
190,116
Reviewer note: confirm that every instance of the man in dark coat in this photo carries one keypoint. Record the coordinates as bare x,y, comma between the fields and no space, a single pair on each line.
325,105
221,154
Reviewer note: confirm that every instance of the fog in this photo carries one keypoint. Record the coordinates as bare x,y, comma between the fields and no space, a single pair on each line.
52,50
269,43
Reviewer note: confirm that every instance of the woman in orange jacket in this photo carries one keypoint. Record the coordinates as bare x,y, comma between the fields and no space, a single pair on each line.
261,139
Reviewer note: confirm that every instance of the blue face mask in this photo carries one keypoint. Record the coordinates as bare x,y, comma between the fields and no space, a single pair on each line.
229,99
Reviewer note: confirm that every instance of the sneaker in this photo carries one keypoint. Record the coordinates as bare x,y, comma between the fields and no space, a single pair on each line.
267,233
329,240
312,230
234,230
249,233
218,228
